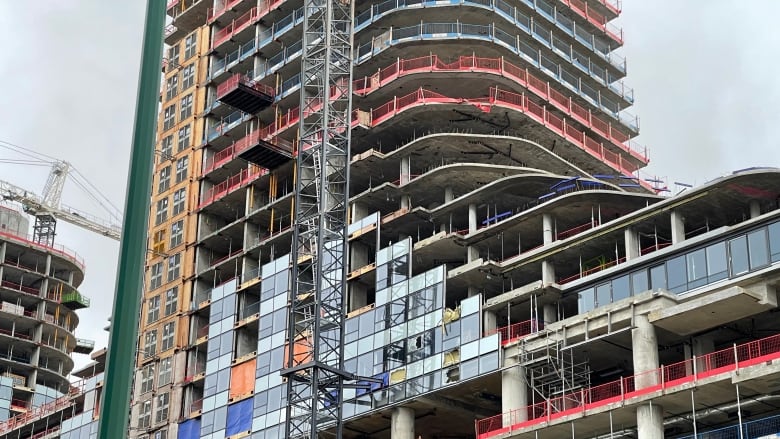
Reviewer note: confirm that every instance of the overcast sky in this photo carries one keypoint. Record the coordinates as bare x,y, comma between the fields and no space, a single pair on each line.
703,72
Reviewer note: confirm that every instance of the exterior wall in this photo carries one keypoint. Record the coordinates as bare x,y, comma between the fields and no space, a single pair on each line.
183,60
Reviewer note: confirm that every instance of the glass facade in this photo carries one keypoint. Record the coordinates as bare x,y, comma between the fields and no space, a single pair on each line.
723,259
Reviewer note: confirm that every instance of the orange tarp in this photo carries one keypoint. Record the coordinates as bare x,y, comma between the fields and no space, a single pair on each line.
242,378
301,352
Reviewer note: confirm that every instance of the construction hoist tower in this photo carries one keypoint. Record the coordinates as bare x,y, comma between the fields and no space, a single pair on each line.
315,375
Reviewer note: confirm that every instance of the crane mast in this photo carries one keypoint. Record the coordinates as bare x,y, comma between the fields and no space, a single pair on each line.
315,375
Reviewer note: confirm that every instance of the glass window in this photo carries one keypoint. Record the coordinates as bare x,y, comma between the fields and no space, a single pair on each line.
603,295
167,336
469,328
164,180
738,256
717,264
150,343
658,277
153,310
774,241
621,288
184,137
186,107
177,233
169,117
166,365
639,283
145,415
162,211
171,87
188,77
190,44
155,276
469,368
696,263
171,300
181,169
174,267
166,147
400,269
759,251
676,274
382,277
173,54
147,378
586,300
161,414
179,199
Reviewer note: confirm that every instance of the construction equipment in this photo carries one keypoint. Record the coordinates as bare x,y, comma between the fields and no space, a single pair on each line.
48,208
315,379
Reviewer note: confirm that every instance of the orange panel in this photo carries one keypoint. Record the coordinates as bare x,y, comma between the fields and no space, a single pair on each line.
242,379
301,352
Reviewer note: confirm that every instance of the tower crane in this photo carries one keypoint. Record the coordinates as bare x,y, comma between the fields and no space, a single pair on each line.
48,208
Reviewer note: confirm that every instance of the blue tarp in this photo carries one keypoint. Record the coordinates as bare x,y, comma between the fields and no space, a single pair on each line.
239,417
189,429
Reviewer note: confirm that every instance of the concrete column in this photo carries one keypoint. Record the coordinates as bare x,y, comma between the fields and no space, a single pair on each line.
359,212
406,202
644,345
402,423
472,253
650,421
489,322
448,194
550,313
547,228
678,227
514,392
649,417
471,291
632,243
406,167
755,208
472,217
548,272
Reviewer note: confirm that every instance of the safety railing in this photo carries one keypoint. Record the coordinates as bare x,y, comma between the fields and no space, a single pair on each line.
230,185
516,331
178,7
514,101
598,20
19,287
513,15
666,377
501,67
58,249
239,79
235,26
43,410
515,43
15,263
214,13
587,272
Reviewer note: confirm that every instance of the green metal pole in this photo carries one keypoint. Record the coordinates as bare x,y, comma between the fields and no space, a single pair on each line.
132,251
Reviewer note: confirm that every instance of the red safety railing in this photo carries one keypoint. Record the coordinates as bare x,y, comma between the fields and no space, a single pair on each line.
667,377
21,288
10,262
598,20
250,17
196,406
515,101
239,79
235,26
230,185
57,248
500,67
576,230
39,412
214,13
516,330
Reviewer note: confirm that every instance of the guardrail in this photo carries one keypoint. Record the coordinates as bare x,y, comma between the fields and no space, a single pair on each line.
57,248
665,377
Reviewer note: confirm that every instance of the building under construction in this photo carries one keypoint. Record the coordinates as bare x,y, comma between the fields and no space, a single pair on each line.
39,298
509,272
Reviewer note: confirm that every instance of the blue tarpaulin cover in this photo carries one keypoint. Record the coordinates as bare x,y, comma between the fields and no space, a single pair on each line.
189,429
239,417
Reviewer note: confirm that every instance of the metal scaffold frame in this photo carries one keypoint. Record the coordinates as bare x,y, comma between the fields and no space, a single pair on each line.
315,376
